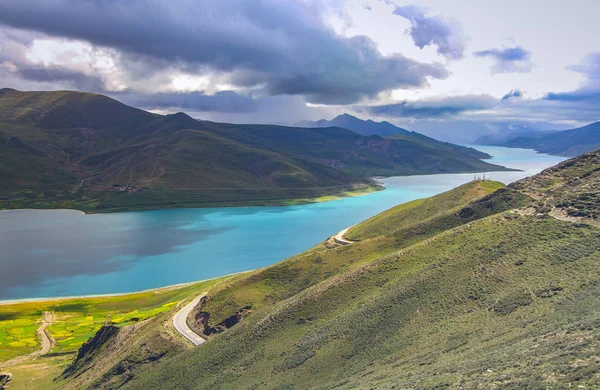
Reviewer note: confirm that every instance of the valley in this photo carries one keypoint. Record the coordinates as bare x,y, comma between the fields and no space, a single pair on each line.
482,270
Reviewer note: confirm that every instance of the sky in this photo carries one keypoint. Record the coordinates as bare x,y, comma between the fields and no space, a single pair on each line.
452,69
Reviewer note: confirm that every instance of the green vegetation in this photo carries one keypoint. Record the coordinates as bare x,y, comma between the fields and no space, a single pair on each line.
421,209
483,286
479,287
78,319
74,150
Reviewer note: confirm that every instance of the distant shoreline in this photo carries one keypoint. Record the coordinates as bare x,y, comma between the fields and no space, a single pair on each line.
157,289
375,186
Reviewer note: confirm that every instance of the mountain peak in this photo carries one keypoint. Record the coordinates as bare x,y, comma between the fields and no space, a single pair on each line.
345,116
361,126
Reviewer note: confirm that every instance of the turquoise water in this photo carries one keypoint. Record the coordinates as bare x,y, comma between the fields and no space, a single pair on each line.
50,253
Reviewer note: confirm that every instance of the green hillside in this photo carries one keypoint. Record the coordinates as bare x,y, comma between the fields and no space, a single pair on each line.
483,286
90,152
463,289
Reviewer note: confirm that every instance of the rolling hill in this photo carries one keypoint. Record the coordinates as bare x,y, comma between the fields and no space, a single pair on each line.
561,143
483,286
67,149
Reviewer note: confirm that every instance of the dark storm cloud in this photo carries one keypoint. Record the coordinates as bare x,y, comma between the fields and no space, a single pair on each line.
224,101
433,108
283,47
514,93
434,30
508,60
77,80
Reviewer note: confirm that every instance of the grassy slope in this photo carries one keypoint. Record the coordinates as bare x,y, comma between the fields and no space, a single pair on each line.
505,301
442,313
68,149
421,209
78,319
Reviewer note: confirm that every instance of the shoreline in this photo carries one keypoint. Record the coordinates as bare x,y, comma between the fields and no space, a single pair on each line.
376,185
275,202
91,296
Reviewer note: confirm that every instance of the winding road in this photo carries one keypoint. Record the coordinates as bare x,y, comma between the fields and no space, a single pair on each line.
46,341
181,325
339,238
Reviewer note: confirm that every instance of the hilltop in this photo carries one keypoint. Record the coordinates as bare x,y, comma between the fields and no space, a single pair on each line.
481,286
66,149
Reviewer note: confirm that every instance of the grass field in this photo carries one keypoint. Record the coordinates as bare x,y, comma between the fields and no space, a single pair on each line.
78,319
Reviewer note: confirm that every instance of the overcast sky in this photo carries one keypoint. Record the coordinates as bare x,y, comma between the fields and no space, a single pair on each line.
431,64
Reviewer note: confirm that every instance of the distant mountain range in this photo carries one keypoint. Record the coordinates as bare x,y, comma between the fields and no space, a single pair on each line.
364,127
568,143
87,151
390,131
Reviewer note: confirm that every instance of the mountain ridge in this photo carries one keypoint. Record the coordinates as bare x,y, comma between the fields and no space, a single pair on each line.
66,149
569,143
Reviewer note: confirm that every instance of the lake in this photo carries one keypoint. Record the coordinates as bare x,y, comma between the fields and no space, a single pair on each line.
52,253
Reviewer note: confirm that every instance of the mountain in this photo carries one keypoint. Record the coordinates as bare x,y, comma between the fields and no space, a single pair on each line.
66,149
483,286
562,143
360,126
388,130
507,133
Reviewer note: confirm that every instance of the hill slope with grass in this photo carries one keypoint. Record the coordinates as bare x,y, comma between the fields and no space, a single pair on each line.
68,149
483,286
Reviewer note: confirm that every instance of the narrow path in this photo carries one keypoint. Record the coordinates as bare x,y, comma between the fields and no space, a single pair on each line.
46,341
339,238
181,325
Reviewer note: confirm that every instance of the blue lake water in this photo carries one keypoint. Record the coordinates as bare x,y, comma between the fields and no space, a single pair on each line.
51,253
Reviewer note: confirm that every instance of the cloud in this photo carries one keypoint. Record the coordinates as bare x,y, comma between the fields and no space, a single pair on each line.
223,101
589,93
281,48
508,60
77,80
514,93
446,34
590,67
433,108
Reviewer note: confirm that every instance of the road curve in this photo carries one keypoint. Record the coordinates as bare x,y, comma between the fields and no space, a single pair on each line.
181,325
339,238
46,342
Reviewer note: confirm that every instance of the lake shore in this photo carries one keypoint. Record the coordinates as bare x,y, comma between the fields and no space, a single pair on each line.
64,254
117,295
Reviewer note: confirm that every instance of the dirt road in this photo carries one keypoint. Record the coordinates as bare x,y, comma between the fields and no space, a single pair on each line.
46,341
